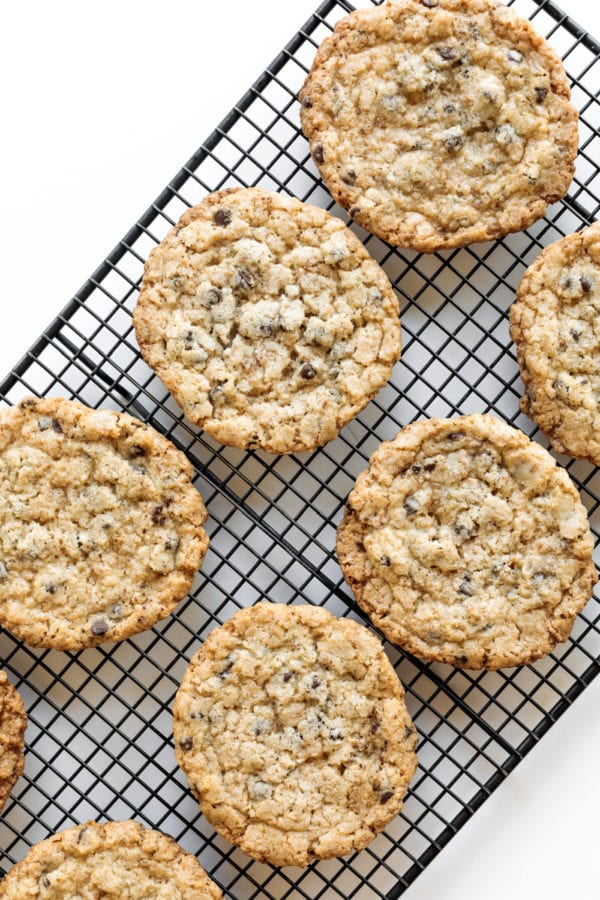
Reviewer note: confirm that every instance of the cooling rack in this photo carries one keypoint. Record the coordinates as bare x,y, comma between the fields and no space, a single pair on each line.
99,737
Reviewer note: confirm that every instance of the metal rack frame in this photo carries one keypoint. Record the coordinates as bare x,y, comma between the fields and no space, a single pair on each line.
99,739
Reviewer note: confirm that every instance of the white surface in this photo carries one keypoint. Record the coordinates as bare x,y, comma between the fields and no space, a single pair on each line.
101,105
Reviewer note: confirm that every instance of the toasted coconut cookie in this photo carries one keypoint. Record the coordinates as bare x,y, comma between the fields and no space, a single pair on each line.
440,122
100,527
13,722
554,324
465,543
292,730
267,320
113,861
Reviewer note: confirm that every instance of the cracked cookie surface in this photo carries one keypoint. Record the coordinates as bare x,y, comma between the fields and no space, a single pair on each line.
292,730
13,722
100,527
267,320
440,122
466,543
554,324
119,860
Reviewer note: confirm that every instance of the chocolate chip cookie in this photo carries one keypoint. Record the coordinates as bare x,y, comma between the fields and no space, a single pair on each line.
267,320
554,324
292,730
440,122
100,527
119,860
13,722
466,544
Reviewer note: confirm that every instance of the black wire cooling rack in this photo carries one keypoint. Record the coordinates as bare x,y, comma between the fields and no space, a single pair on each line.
99,737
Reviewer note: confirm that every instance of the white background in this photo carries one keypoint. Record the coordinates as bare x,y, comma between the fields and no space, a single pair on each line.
101,104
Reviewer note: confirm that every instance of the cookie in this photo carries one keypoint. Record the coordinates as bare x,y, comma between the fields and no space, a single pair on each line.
119,860
100,527
292,730
267,320
466,544
438,123
554,325
13,722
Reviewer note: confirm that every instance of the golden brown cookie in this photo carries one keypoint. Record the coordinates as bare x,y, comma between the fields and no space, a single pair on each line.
112,861
267,320
292,730
465,543
440,122
554,324
100,527
13,722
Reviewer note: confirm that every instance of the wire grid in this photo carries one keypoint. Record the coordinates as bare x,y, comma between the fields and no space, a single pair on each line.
99,737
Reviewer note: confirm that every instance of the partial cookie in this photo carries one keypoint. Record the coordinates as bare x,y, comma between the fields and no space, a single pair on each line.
440,122
466,544
119,860
554,324
267,320
13,722
292,730
100,527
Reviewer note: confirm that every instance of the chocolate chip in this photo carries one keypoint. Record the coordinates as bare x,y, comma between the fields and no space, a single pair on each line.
465,587
216,395
411,506
266,328
28,403
158,516
456,435
575,334
449,108
212,296
50,588
307,102
514,56
540,94
336,734
386,796
349,177
586,283
245,279
172,543
385,561
453,143
355,211
136,451
188,338
429,467
287,676
375,726
409,730
116,610
318,153
222,218
447,52
308,372
416,469
45,881
100,627
186,744
315,682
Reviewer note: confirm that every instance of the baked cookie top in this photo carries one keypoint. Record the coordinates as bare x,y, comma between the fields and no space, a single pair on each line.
100,527
440,122
267,320
554,324
13,722
466,544
292,730
119,860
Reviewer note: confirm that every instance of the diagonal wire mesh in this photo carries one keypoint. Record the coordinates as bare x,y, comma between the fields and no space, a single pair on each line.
99,738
